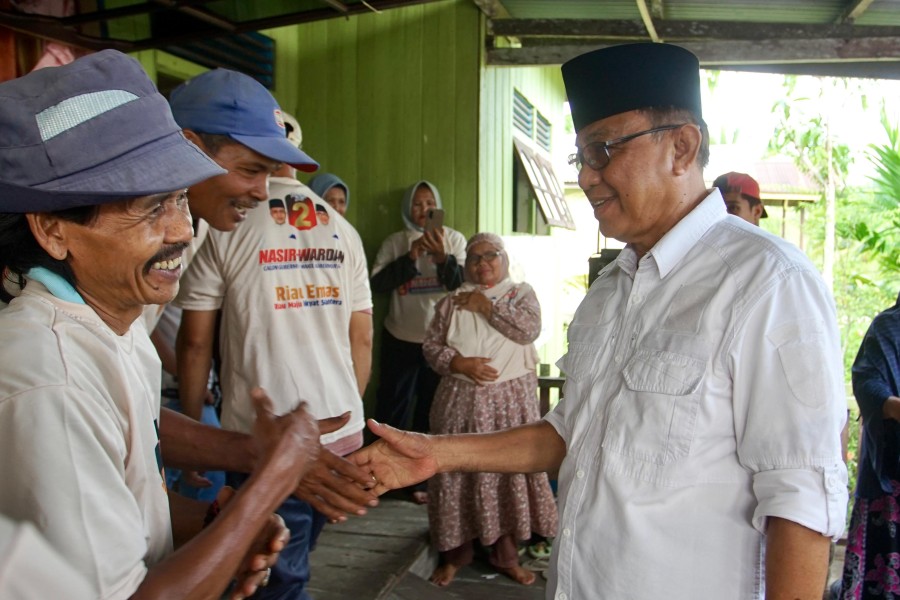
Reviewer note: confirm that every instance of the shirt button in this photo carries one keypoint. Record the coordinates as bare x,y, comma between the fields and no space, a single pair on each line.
567,532
618,358
562,596
580,474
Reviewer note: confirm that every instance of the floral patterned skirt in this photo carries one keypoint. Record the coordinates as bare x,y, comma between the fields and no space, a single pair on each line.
484,506
872,561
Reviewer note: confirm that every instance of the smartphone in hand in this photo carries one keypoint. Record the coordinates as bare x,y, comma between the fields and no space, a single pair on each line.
435,219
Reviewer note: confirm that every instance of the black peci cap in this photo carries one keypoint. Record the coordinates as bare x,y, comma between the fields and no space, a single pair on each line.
619,79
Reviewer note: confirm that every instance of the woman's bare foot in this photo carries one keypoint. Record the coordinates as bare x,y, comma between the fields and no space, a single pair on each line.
444,574
517,574
420,497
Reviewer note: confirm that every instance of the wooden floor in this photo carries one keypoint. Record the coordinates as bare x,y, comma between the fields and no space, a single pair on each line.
386,556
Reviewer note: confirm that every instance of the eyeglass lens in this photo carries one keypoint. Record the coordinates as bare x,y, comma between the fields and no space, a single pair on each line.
474,259
596,154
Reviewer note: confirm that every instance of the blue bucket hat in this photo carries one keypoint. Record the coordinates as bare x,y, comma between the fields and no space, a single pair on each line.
229,103
90,132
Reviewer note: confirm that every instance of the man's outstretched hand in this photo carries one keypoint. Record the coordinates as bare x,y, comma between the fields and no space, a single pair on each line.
399,459
334,486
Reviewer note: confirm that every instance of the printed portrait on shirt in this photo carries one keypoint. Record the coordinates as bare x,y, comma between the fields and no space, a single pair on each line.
322,214
277,211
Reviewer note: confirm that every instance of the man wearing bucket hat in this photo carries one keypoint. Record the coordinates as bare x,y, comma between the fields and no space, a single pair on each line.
741,195
698,438
93,223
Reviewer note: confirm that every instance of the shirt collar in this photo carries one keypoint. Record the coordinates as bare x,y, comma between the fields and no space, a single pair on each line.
55,284
679,240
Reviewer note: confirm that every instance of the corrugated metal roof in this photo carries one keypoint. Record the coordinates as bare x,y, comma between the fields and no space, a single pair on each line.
820,37
816,37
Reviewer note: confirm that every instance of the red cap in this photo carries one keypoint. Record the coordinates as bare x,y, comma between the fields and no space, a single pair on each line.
741,183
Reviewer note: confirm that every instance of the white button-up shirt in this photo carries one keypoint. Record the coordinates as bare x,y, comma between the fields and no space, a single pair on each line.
704,394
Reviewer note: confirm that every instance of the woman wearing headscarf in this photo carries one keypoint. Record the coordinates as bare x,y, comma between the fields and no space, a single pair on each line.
481,343
332,189
418,268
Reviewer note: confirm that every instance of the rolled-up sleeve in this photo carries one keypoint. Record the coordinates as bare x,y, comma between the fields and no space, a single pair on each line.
790,404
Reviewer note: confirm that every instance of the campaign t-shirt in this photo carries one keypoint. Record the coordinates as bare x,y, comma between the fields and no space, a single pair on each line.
287,280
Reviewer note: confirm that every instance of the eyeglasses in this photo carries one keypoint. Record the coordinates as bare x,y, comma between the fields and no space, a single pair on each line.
596,154
474,259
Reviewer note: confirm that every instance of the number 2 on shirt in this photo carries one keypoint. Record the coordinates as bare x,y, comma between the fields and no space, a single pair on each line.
303,213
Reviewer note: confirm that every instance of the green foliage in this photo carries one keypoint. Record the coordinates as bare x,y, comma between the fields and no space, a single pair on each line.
802,129
860,289
879,232
866,224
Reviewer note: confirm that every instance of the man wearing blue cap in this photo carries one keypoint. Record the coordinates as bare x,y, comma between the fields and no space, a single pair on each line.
284,290
93,225
239,125
698,440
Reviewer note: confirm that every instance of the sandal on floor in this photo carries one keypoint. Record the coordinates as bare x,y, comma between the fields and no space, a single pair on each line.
537,565
540,550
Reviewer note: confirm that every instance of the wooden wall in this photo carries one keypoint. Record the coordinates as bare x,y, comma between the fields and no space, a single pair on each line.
385,100
543,87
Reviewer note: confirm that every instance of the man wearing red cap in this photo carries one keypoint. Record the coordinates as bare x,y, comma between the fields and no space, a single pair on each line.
741,195
698,438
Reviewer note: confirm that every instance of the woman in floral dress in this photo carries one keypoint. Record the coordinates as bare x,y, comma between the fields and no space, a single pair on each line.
481,343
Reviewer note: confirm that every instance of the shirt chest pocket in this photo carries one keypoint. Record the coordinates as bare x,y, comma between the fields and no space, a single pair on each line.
654,416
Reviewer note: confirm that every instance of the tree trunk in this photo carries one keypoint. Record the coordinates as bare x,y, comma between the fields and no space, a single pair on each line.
830,212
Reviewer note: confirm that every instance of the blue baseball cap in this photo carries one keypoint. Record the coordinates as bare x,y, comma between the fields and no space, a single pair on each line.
229,103
91,132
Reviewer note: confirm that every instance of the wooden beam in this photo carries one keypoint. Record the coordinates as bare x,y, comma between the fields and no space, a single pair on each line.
337,5
52,28
724,52
647,20
492,9
201,14
854,9
684,30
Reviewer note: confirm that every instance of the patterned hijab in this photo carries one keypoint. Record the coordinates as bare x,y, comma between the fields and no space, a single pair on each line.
497,242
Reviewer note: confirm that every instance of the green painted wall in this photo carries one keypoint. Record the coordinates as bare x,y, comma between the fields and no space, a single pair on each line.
544,261
385,100
543,87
